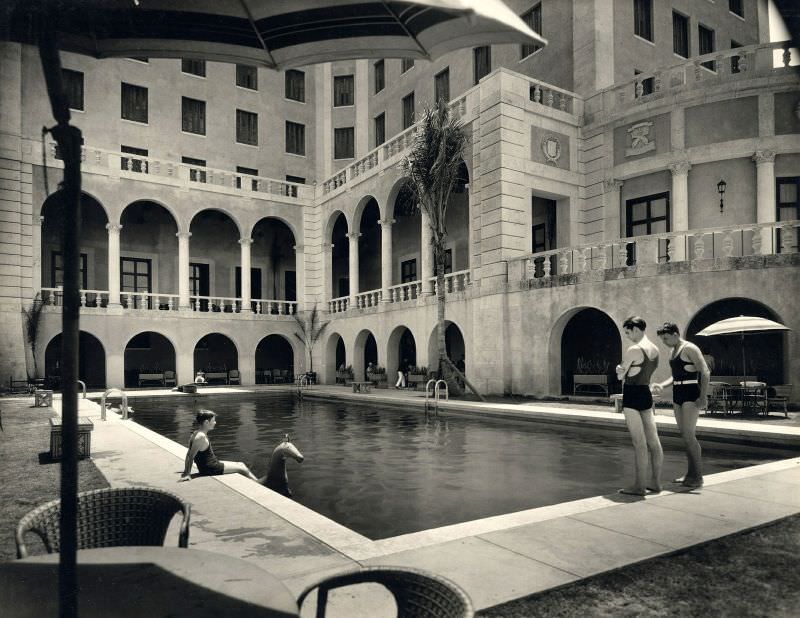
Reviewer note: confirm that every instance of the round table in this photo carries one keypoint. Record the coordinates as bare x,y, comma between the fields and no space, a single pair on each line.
146,581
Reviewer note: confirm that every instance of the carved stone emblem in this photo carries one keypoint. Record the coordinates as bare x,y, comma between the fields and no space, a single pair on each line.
641,140
551,148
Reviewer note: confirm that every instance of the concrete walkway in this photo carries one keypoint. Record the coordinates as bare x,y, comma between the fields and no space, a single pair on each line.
496,559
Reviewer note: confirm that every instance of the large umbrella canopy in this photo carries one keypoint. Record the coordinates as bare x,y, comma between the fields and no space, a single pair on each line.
742,325
271,33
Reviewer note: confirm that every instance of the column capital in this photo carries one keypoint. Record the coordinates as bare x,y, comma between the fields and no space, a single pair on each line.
612,184
386,222
353,236
299,248
113,228
681,167
184,235
245,242
763,156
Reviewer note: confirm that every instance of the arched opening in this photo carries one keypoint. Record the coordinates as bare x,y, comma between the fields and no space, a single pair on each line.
148,355
215,355
273,271
340,258
764,352
365,351
454,346
335,359
406,237
457,223
401,347
590,346
147,239
93,249
274,360
215,237
91,362
369,248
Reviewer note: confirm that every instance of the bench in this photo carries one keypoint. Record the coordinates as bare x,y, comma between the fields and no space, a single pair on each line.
217,375
591,383
152,377
362,387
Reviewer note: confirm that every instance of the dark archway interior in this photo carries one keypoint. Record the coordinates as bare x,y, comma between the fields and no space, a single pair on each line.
590,345
764,352
407,349
341,355
273,271
370,351
340,259
454,344
274,361
369,248
148,353
91,362
215,353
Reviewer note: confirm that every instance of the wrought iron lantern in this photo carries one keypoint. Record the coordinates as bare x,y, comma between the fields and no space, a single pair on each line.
721,186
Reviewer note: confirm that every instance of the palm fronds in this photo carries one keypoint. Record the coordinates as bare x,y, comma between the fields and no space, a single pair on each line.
310,330
33,318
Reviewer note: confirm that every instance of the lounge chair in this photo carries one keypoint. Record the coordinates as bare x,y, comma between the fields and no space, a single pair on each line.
779,394
234,377
170,379
112,517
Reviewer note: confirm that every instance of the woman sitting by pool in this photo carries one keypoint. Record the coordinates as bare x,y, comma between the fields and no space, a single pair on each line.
201,453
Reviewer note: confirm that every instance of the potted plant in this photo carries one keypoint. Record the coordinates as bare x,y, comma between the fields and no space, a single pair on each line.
377,375
591,374
417,375
344,374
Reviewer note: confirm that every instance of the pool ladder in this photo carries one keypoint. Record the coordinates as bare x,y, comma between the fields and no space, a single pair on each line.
124,405
301,382
437,393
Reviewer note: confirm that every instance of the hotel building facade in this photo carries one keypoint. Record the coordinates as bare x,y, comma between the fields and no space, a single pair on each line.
647,161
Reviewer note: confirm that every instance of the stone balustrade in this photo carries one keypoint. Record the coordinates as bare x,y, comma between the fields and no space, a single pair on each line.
547,95
405,291
368,299
693,245
338,305
54,297
457,281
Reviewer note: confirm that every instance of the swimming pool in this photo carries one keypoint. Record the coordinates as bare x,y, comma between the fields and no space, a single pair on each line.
384,471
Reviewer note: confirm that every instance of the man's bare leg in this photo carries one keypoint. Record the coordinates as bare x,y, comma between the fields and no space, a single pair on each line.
688,425
654,449
633,419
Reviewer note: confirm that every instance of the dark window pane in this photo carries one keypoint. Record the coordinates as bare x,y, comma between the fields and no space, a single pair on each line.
380,129
533,19
193,67
246,127
136,163
482,62
737,7
57,270
643,18
735,59
706,37
380,76
247,76
441,86
195,174
408,110
73,86
408,271
193,116
680,34
250,172
647,85
406,64
343,90
295,85
295,138
134,102
344,143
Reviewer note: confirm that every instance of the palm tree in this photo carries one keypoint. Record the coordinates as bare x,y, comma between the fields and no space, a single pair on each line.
33,317
432,167
311,330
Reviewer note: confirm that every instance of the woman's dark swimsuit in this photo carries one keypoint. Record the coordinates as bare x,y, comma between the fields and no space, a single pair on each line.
681,393
207,462
636,389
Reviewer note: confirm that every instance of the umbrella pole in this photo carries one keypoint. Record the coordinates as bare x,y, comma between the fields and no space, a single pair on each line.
69,143
744,364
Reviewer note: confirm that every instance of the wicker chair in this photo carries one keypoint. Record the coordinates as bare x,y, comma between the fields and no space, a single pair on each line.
418,594
109,518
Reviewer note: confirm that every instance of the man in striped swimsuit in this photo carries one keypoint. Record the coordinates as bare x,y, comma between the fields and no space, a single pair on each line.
690,376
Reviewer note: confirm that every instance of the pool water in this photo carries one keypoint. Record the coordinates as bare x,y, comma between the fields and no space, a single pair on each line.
384,471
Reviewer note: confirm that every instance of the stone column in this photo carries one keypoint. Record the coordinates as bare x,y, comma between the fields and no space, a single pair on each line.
36,258
183,274
765,197
426,266
612,188
680,208
300,276
386,258
113,263
353,239
327,270
245,244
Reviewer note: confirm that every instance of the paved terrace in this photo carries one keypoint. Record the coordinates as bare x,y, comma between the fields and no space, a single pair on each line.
496,559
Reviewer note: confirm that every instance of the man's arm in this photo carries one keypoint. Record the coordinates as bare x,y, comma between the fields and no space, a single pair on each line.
190,453
632,355
696,356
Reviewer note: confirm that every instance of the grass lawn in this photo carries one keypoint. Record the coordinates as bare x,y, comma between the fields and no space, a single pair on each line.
750,574
25,482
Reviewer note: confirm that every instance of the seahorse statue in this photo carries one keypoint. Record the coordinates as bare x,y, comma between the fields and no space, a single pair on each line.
277,479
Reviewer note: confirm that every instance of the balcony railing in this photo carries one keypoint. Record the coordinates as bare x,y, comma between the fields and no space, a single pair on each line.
338,305
693,245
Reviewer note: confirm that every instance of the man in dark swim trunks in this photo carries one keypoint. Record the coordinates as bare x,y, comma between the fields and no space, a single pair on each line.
690,376
637,366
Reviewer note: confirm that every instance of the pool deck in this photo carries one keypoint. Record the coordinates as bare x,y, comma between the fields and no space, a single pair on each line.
496,559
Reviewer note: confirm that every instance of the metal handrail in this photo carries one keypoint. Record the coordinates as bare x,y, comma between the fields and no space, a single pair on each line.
124,404
83,386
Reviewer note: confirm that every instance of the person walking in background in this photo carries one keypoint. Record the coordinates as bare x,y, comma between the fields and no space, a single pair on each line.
690,377
638,364
402,370
201,453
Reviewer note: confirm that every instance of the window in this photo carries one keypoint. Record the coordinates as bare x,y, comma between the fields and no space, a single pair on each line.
57,271
246,127
648,215
788,209
680,34
296,85
193,67
408,271
255,283
406,64
408,110
137,163
441,86
735,59
448,261
538,238
134,103
291,190
643,19
482,62
343,88
250,172
344,143
193,116
199,285
380,129
736,7
295,138
706,36
247,76
532,19
73,86
380,76
195,174
647,85
135,277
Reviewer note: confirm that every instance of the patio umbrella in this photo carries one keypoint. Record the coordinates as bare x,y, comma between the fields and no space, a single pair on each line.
261,32
743,325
